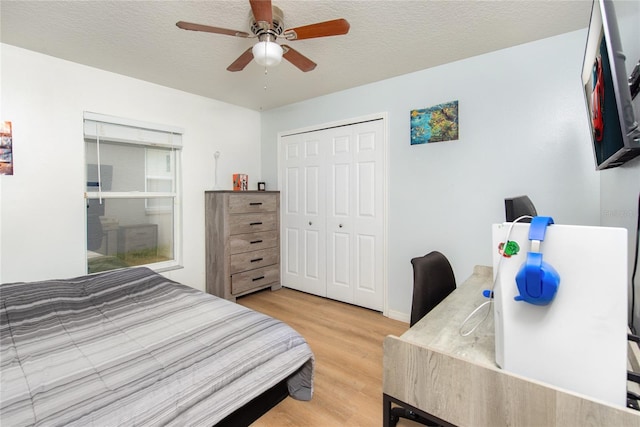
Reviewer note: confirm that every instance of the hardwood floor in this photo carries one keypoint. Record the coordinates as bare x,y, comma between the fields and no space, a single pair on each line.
347,343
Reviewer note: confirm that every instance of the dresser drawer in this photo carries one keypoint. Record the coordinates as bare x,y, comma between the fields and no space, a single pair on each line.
248,203
254,279
250,223
240,243
252,260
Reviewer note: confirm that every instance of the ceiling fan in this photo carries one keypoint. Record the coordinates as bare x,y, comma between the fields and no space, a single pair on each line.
266,24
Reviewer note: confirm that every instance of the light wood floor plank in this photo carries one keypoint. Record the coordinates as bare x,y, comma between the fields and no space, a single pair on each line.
347,344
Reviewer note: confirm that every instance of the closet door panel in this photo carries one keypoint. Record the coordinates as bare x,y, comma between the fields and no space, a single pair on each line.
366,203
311,242
291,265
339,191
369,215
339,282
314,238
304,248
366,259
311,193
292,201
291,224
312,247
340,194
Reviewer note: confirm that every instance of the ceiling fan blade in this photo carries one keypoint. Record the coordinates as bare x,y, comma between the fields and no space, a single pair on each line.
262,10
242,61
321,29
198,27
298,59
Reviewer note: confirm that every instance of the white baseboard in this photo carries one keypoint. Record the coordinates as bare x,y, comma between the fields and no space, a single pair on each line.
398,315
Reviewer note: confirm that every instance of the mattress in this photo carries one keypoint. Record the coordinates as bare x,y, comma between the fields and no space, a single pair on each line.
130,347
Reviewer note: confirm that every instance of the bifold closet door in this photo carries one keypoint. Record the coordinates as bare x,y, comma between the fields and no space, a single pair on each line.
303,219
333,213
355,247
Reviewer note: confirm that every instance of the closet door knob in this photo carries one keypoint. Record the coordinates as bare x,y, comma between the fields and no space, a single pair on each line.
340,225
310,223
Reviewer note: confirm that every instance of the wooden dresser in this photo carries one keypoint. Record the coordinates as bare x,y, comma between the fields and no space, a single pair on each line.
242,242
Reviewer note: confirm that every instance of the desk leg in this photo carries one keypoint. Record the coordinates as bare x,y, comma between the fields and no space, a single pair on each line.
386,411
391,420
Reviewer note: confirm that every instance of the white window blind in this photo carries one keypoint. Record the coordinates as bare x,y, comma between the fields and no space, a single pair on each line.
117,129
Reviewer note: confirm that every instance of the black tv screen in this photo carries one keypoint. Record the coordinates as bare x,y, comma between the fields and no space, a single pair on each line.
615,135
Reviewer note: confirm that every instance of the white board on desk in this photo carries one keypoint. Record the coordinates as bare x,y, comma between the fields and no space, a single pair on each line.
579,341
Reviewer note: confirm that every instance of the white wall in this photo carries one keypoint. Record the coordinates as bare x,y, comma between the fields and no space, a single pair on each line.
42,225
523,130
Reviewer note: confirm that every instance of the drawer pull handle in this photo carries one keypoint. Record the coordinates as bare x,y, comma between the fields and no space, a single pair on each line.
255,223
257,278
256,259
255,241
255,203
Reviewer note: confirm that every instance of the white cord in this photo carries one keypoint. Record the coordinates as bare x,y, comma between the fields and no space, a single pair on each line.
216,156
493,285
99,164
466,334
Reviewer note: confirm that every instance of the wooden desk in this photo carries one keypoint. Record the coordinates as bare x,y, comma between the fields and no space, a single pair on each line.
435,371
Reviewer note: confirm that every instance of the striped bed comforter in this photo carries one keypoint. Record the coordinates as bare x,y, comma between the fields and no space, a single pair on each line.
132,347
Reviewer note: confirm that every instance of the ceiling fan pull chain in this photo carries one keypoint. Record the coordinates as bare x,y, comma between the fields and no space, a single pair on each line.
265,67
265,78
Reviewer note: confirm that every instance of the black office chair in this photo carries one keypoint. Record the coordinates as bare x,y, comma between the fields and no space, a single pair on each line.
515,207
433,281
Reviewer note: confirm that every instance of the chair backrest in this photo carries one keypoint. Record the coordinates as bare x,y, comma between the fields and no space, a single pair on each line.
515,207
433,280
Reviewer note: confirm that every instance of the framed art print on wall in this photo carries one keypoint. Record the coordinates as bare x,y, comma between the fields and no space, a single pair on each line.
435,124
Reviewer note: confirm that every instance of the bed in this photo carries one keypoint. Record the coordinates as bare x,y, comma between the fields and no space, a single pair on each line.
130,347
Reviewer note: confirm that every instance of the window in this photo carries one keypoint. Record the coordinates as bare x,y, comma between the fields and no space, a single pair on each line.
132,193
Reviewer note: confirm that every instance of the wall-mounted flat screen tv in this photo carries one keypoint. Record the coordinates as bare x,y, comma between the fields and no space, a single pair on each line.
614,125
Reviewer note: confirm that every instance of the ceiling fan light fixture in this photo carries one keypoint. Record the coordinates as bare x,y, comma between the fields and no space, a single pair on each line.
267,53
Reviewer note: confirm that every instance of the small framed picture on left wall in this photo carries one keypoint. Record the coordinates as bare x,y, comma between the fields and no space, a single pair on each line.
6,149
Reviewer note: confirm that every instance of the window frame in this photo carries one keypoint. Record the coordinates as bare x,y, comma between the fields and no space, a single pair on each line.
150,177
116,130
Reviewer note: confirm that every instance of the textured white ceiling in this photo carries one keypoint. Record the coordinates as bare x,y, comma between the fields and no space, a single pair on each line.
387,38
